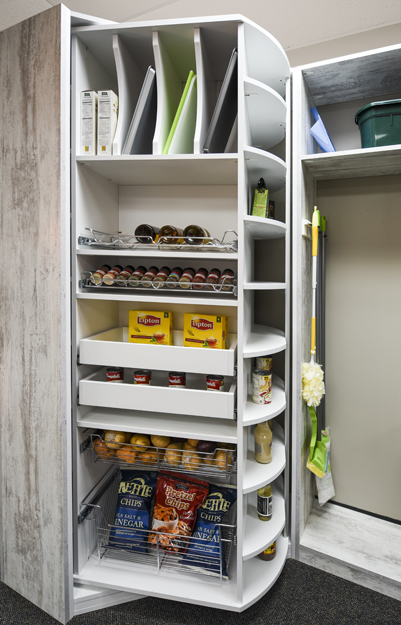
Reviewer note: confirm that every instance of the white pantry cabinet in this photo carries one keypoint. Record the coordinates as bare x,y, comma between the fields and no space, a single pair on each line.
64,333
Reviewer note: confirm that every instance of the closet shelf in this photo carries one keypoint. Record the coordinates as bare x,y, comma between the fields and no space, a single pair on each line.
260,576
84,250
260,534
256,413
148,298
165,170
264,340
261,164
266,114
361,163
257,474
261,228
264,286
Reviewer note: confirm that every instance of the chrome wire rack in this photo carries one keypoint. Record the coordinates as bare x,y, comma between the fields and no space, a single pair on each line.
220,465
226,287
121,241
157,549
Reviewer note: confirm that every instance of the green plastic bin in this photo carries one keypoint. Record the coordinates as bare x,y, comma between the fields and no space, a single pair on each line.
380,123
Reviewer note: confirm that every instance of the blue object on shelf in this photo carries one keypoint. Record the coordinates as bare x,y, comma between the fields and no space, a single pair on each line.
320,134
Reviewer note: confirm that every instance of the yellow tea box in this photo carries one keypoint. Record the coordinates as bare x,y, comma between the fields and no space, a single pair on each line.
149,326
210,331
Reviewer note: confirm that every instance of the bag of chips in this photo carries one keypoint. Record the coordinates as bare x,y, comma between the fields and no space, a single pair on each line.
135,496
206,549
178,499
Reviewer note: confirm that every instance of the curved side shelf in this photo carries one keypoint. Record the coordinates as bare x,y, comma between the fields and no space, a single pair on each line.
264,340
260,534
261,164
266,113
264,286
260,576
255,413
256,474
261,228
259,44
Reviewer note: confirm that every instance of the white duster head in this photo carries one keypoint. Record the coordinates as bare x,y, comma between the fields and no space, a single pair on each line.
312,383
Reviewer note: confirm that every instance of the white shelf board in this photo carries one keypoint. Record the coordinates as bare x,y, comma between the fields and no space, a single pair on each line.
264,340
112,349
260,534
153,296
257,474
256,413
260,576
264,286
85,250
261,164
157,396
165,424
267,113
194,589
169,169
264,229
382,161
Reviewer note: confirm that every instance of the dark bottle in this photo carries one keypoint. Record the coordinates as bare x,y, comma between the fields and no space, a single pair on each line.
147,234
196,235
170,235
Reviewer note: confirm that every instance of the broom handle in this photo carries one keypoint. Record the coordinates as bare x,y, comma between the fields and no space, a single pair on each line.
315,234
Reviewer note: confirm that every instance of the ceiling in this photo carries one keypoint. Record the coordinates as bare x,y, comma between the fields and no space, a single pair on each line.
294,24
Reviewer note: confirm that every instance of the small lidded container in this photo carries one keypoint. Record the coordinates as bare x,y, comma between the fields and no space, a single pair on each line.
115,374
161,277
213,278
261,386
97,276
269,553
226,279
177,379
110,277
200,278
142,376
214,382
149,276
135,278
187,277
123,276
265,363
174,277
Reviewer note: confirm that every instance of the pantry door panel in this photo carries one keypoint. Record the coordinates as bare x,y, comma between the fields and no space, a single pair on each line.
35,401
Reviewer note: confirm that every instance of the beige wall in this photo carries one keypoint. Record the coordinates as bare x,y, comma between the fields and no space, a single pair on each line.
363,370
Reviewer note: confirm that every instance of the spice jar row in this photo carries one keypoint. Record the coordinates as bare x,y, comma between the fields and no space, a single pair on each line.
165,277
176,379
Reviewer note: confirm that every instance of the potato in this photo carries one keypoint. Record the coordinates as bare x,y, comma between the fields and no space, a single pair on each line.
187,445
206,446
141,442
100,448
191,460
113,439
127,454
193,442
148,457
160,441
173,454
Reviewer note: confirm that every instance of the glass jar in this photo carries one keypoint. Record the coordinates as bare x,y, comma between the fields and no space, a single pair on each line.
98,275
200,278
135,278
265,503
213,278
149,276
161,277
269,553
145,233
196,235
187,277
263,443
110,277
174,277
226,279
123,276
170,235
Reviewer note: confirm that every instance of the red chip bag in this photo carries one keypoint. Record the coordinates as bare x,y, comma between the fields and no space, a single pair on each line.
178,499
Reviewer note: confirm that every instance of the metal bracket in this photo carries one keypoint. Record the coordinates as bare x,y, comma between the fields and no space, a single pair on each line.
306,228
235,414
235,372
85,445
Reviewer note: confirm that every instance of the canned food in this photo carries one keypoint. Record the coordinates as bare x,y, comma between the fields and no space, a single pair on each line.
265,363
142,376
177,379
214,382
115,374
261,386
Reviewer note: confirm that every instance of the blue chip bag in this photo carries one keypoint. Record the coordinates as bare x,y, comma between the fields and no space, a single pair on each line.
135,498
205,550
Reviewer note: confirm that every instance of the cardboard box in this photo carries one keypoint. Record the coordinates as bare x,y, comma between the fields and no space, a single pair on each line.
107,112
209,331
148,326
88,136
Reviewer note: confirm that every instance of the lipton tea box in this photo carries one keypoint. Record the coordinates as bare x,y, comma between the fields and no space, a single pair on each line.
149,326
209,331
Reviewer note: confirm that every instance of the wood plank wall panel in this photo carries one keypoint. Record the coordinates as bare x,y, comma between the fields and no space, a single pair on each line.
33,314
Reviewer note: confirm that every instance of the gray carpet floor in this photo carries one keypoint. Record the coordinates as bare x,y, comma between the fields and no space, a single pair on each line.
302,595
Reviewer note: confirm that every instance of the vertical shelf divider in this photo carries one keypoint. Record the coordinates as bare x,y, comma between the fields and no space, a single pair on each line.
205,91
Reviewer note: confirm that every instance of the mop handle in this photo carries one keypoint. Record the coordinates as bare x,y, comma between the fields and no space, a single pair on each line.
315,234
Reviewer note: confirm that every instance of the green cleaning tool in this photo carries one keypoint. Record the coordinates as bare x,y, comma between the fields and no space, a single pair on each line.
317,451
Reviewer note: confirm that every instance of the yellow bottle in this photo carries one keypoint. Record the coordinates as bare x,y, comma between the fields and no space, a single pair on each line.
263,443
265,503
